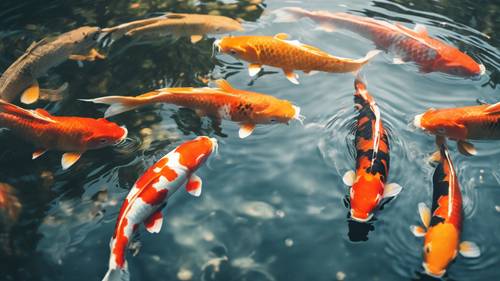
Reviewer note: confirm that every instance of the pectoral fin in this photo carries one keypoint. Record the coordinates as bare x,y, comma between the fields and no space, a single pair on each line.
418,231
38,153
70,158
154,222
291,76
397,61
196,38
91,56
391,190
349,178
282,36
53,94
469,249
246,130
327,27
466,148
31,94
254,69
425,214
193,186
435,158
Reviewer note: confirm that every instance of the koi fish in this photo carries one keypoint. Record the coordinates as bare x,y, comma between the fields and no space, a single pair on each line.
464,123
72,134
368,183
177,25
443,225
225,102
289,55
20,79
149,196
430,54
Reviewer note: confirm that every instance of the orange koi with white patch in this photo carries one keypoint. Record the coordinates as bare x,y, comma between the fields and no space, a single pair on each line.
289,55
75,135
444,221
149,196
368,182
225,102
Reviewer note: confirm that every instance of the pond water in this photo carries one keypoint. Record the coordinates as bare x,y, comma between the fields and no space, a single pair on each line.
273,204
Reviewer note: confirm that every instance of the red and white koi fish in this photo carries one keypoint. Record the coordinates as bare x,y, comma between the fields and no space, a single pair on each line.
368,183
430,54
479,122
149,196
444,222
72,134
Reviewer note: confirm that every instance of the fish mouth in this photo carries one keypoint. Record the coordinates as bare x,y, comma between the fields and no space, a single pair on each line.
435,275
417,121
124,137
369,217
482,69
297,116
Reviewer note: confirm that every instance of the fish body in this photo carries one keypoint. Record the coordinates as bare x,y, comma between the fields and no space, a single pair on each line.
369,181
430,54
74,135
149,196
443,222
177,25
289,55
480,122
225,102
22,75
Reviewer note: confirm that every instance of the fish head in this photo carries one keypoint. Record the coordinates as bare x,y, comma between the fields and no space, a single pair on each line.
442,122
193,153
240,47
85,37
460,64
440,248
365,195
104,133
220,25
280,111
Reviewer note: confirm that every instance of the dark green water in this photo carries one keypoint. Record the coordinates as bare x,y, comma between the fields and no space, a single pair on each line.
272,207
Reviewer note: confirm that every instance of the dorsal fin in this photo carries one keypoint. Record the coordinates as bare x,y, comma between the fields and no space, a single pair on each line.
414,35
282,36
494,108
175,16
224,85
421,29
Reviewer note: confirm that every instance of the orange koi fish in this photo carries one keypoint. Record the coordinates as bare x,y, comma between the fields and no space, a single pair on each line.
480,122
429,53
368,183
150,194
72,134
444,222
286,54
225,102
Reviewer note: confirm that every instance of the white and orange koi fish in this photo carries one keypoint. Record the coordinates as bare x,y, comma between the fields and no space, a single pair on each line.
149,196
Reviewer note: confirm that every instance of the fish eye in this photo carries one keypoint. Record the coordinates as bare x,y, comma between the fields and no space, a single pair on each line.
233,52
103,140
427,249
441,130
273,120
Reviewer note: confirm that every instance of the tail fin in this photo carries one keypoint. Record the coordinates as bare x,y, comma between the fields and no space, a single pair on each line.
116,274
120,104
290,14
359,84
370,55
9,108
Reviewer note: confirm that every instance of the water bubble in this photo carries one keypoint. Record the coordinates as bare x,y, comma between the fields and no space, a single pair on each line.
340,275
288,242
280,213
258,209
497,208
